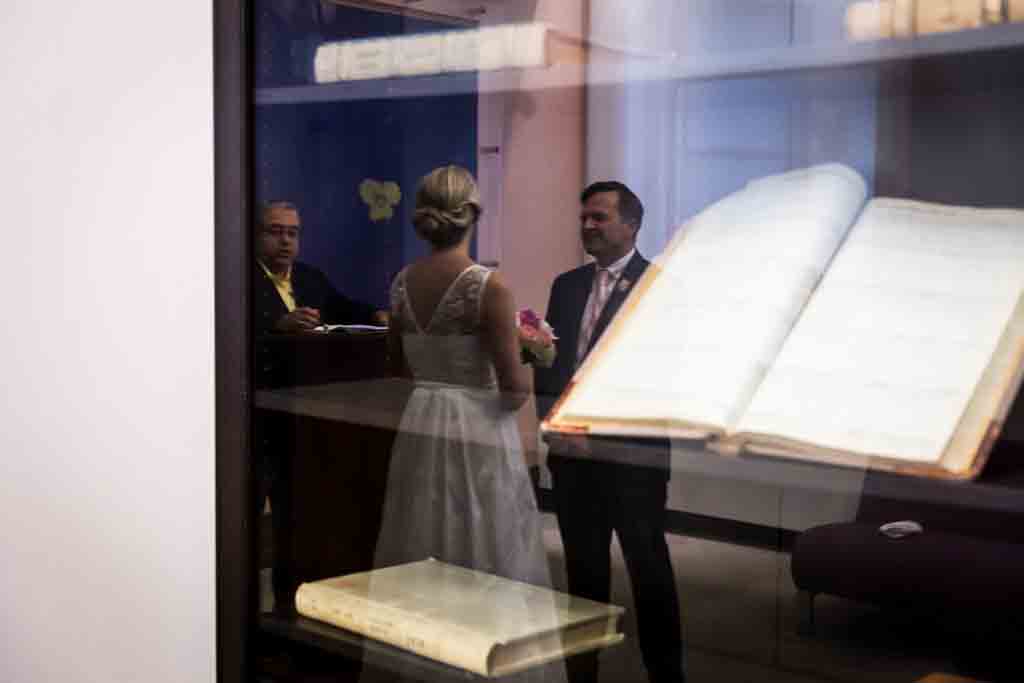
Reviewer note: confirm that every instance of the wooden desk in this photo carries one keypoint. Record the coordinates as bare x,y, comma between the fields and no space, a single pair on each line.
303,358
329,449
325,476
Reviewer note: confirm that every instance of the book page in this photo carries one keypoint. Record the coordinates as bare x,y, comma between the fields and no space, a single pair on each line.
893,343
696,335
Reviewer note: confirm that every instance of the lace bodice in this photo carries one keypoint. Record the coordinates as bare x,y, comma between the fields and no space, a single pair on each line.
447,348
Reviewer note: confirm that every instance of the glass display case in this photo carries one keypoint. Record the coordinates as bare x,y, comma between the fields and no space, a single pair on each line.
781,247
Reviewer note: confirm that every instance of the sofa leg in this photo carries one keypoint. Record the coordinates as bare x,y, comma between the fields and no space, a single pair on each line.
805,606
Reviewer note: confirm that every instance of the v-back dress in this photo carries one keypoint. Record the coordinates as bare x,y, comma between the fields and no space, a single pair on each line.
458,488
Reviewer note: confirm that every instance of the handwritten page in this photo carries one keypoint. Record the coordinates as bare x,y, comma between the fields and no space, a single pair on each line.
893,343
692,347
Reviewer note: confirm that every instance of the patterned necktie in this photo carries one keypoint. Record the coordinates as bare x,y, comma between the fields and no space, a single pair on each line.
599,296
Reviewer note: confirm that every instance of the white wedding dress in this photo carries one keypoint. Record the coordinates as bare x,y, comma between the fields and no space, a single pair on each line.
458,488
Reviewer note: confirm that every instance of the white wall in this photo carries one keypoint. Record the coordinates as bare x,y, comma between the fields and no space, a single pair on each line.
682,145
106,355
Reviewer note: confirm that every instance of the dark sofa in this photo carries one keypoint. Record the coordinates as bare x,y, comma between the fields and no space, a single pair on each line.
968,561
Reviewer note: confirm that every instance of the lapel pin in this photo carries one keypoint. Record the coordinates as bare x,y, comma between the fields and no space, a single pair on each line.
624,285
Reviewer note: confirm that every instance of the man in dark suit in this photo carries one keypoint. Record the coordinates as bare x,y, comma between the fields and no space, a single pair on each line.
603,484
291,296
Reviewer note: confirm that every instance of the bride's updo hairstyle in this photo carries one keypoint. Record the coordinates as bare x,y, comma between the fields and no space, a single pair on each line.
447,206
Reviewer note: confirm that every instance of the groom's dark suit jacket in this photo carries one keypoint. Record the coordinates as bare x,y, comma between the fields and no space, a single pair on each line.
646,458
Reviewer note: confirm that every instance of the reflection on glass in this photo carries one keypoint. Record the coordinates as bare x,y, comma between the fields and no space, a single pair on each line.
869,308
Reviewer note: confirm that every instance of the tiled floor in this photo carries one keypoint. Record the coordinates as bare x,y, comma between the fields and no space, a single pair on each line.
740,623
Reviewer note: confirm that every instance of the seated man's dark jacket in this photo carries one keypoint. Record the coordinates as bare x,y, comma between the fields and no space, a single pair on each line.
311,289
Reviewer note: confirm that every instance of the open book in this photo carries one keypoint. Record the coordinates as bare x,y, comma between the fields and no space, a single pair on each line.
791,318
482,623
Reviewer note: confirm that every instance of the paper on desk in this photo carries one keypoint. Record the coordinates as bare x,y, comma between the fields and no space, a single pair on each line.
352,329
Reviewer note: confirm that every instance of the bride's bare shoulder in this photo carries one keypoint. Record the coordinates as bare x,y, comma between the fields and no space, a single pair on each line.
496,282
497,297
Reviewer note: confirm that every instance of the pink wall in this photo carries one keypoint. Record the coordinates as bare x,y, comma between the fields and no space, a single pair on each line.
544,158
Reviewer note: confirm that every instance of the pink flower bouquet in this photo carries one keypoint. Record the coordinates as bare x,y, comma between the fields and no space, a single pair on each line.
536,338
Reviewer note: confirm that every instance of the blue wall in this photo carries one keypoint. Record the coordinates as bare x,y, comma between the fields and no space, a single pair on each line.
317,154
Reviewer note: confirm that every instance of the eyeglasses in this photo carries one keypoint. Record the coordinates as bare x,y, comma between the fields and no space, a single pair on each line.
279,231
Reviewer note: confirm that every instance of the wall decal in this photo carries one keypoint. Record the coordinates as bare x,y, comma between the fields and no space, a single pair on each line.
380,196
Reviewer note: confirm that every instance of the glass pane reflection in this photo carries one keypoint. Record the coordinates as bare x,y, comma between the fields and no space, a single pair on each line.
427,171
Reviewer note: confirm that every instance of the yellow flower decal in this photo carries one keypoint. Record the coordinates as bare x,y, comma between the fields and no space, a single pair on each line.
380,196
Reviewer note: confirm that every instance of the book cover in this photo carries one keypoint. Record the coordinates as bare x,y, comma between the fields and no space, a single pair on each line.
475,621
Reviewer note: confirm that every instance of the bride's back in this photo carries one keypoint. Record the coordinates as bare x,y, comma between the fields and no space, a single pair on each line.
449,325
430,281
439,313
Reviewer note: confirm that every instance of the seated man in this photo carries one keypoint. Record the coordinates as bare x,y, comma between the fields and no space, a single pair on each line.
288,296
291,296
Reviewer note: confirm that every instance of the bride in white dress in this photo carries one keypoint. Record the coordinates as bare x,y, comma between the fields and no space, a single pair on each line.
458,488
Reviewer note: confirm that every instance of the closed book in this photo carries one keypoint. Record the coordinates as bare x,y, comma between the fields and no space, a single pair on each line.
468,619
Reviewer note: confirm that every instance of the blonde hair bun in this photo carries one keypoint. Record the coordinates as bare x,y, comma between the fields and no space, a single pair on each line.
447,205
